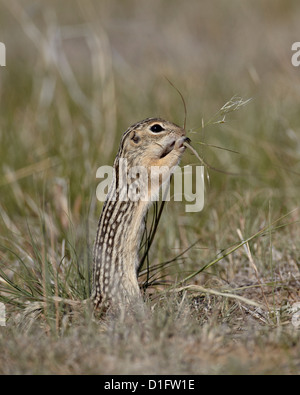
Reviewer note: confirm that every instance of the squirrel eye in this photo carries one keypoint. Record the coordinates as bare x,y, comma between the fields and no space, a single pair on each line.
156,128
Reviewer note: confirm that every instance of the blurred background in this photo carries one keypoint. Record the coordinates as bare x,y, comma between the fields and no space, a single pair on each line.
79,73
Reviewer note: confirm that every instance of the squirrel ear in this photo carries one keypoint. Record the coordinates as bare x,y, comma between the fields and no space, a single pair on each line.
135,138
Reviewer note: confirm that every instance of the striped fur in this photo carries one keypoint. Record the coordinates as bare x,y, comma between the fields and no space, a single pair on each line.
121,223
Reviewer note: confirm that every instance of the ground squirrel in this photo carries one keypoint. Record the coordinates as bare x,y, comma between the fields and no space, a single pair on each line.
151,142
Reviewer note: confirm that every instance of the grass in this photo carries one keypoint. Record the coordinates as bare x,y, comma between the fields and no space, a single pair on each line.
221,285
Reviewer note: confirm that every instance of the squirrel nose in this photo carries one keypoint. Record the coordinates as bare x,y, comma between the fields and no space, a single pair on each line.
187,140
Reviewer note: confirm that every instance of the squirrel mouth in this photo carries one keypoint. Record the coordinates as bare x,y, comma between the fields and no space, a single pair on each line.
167,150
170,147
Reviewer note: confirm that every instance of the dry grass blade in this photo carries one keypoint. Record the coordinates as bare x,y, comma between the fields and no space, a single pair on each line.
263,231
235,103
200,289
217,147
43,165
251,260
187,145
183,101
